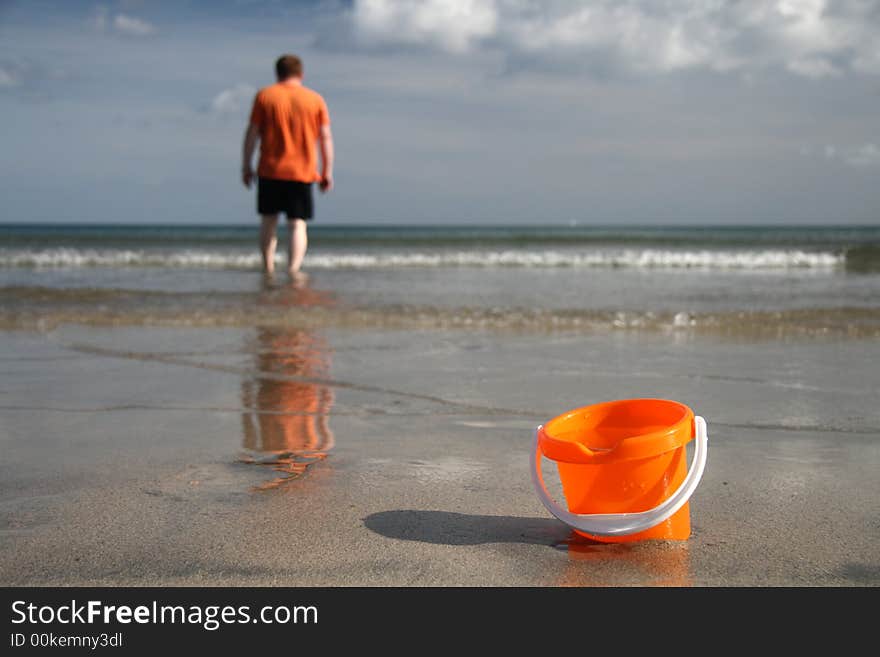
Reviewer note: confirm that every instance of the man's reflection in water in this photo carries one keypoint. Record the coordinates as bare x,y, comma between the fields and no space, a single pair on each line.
286,425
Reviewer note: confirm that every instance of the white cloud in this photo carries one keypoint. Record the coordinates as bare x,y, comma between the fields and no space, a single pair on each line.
233,100
811,38
451,25
865,155
813,68
132,26
99,18
22,72
8,77
125,24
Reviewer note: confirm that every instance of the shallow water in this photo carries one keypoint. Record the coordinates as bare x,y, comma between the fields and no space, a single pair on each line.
768,281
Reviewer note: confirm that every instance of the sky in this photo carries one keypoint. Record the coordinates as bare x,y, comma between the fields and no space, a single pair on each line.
450,111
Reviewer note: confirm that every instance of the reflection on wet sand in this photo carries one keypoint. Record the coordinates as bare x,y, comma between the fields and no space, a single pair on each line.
658,563
286,424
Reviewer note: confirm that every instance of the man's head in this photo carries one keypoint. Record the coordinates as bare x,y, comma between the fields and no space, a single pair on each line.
288,66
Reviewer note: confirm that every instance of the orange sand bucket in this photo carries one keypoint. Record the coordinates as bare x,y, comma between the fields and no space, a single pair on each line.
623,469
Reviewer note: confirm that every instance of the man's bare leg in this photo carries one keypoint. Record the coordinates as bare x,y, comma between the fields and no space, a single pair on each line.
268,241
299,242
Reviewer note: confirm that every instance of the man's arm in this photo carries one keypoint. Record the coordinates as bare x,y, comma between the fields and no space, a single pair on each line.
251,136
325,138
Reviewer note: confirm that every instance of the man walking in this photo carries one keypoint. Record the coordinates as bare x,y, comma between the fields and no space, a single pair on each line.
292,123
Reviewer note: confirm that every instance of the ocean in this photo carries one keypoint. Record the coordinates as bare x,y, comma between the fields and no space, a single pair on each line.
742,279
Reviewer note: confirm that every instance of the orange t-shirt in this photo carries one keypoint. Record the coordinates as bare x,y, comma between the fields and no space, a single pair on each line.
289,118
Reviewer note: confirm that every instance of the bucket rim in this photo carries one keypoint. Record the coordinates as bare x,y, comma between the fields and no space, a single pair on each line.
638,446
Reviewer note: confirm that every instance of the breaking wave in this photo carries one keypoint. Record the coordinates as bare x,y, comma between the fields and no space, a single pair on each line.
764,259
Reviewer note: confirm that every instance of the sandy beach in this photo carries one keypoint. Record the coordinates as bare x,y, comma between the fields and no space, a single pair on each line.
286,289
283,456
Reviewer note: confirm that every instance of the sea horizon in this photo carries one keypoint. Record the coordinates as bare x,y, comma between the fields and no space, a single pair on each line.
485,223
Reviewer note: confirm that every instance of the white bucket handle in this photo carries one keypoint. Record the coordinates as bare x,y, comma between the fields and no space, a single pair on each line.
622,524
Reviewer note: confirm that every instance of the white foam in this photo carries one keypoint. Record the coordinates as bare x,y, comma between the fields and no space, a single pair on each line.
78,258
640,259
317,259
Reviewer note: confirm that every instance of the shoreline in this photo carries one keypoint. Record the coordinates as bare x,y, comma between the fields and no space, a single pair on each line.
815,323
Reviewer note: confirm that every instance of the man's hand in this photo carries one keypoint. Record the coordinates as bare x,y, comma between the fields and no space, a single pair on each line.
247,176
325,138
251,136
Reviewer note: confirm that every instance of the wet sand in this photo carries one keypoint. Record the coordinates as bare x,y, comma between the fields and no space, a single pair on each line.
283,456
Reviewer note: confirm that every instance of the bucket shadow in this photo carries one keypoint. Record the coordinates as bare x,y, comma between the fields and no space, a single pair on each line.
448,528
589,563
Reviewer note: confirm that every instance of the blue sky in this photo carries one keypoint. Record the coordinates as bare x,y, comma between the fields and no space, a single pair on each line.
459,111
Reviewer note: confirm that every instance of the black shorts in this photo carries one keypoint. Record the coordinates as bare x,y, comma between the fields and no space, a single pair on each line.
291,197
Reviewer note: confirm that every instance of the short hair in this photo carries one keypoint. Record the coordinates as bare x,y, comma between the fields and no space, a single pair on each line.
288,66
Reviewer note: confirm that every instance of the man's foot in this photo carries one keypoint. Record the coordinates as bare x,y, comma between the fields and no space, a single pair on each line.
298,279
